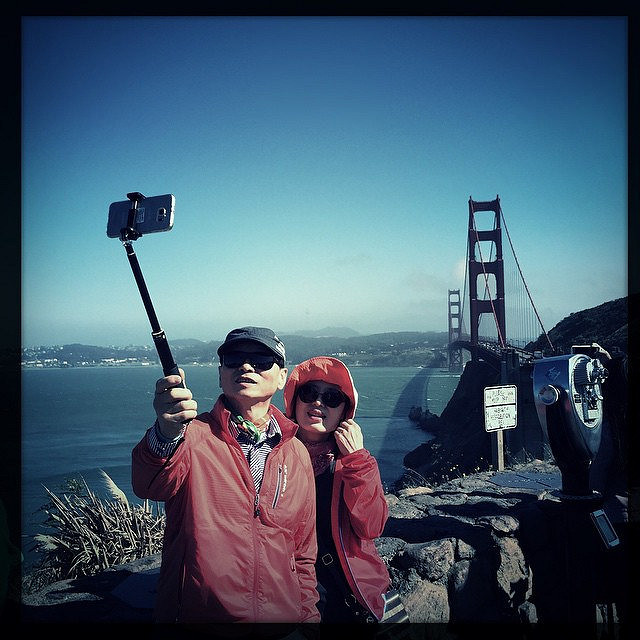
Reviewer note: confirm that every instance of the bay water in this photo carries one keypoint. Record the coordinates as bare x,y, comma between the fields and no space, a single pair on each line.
76,421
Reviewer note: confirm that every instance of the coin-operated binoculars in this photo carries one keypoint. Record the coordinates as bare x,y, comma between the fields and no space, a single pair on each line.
568,396
567,391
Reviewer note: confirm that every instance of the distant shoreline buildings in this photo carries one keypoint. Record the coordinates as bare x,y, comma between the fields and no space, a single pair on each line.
72,356
411,349
54,363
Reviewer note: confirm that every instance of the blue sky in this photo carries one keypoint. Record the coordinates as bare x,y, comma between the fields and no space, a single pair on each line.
321,167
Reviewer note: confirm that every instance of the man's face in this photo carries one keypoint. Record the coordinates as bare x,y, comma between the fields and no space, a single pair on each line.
244,383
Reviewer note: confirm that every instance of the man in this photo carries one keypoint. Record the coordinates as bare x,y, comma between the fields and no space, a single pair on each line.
239,493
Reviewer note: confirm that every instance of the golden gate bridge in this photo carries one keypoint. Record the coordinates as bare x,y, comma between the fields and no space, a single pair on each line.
500,312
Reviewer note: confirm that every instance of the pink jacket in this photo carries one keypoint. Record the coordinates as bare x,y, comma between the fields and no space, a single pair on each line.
358,507
230,555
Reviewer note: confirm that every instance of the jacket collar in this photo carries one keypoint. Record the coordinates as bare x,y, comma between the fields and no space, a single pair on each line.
221,415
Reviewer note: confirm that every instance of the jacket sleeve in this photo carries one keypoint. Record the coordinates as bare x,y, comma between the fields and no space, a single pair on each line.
307,549
158,478
363,494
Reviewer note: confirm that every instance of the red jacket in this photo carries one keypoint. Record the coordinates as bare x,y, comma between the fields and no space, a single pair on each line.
359,510
229,555
358,515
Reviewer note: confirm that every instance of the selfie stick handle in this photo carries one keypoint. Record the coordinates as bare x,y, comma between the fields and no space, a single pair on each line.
169,367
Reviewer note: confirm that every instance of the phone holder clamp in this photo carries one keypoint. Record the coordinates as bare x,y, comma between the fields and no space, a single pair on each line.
129,233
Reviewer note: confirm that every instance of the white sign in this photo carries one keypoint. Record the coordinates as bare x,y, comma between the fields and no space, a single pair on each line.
500,407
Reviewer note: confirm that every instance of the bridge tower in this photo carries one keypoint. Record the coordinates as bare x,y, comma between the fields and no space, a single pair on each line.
455,352
480,268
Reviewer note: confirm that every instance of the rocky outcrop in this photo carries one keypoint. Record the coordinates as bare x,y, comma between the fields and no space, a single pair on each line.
124,593
501,547
455,551
461,445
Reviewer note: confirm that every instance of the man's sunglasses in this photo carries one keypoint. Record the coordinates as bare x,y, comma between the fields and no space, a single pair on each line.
331,398
258,361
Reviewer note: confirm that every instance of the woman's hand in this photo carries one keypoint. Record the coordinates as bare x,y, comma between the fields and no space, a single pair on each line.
349,437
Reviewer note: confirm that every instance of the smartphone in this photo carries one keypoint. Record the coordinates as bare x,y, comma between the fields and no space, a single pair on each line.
153,214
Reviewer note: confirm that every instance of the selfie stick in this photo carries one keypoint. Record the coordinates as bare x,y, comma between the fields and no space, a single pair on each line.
127,235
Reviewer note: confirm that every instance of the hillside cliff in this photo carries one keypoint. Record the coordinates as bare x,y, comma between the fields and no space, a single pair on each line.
609,324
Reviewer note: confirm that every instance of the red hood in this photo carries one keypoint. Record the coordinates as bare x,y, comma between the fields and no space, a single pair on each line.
330,370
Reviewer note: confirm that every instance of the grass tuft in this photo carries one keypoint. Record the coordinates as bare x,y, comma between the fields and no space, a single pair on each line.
88,534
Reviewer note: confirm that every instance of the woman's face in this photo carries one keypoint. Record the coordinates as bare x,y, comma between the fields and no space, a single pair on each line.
315,416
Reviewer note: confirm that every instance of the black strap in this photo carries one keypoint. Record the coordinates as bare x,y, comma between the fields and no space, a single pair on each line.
328,558
325,551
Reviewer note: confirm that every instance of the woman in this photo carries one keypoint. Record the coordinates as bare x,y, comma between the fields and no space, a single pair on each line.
351,508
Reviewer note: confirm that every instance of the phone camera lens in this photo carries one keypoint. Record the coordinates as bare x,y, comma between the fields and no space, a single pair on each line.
162,214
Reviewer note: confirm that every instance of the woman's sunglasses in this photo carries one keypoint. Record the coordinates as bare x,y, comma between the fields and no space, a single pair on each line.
258,361
331,398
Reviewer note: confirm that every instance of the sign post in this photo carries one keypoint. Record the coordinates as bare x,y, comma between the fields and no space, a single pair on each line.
500,412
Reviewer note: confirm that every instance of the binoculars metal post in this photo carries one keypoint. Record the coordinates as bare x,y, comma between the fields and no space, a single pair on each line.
568,397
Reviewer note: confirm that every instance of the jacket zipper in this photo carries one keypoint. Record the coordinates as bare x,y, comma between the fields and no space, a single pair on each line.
277,495
256,514
256,555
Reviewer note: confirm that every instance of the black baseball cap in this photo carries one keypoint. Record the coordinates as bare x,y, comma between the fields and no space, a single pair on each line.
262,335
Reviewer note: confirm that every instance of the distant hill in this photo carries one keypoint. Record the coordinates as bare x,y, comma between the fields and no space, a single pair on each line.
188,342
401,348
335,332
607,324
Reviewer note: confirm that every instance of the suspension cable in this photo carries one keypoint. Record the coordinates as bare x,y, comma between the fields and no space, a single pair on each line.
464,289
522,277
